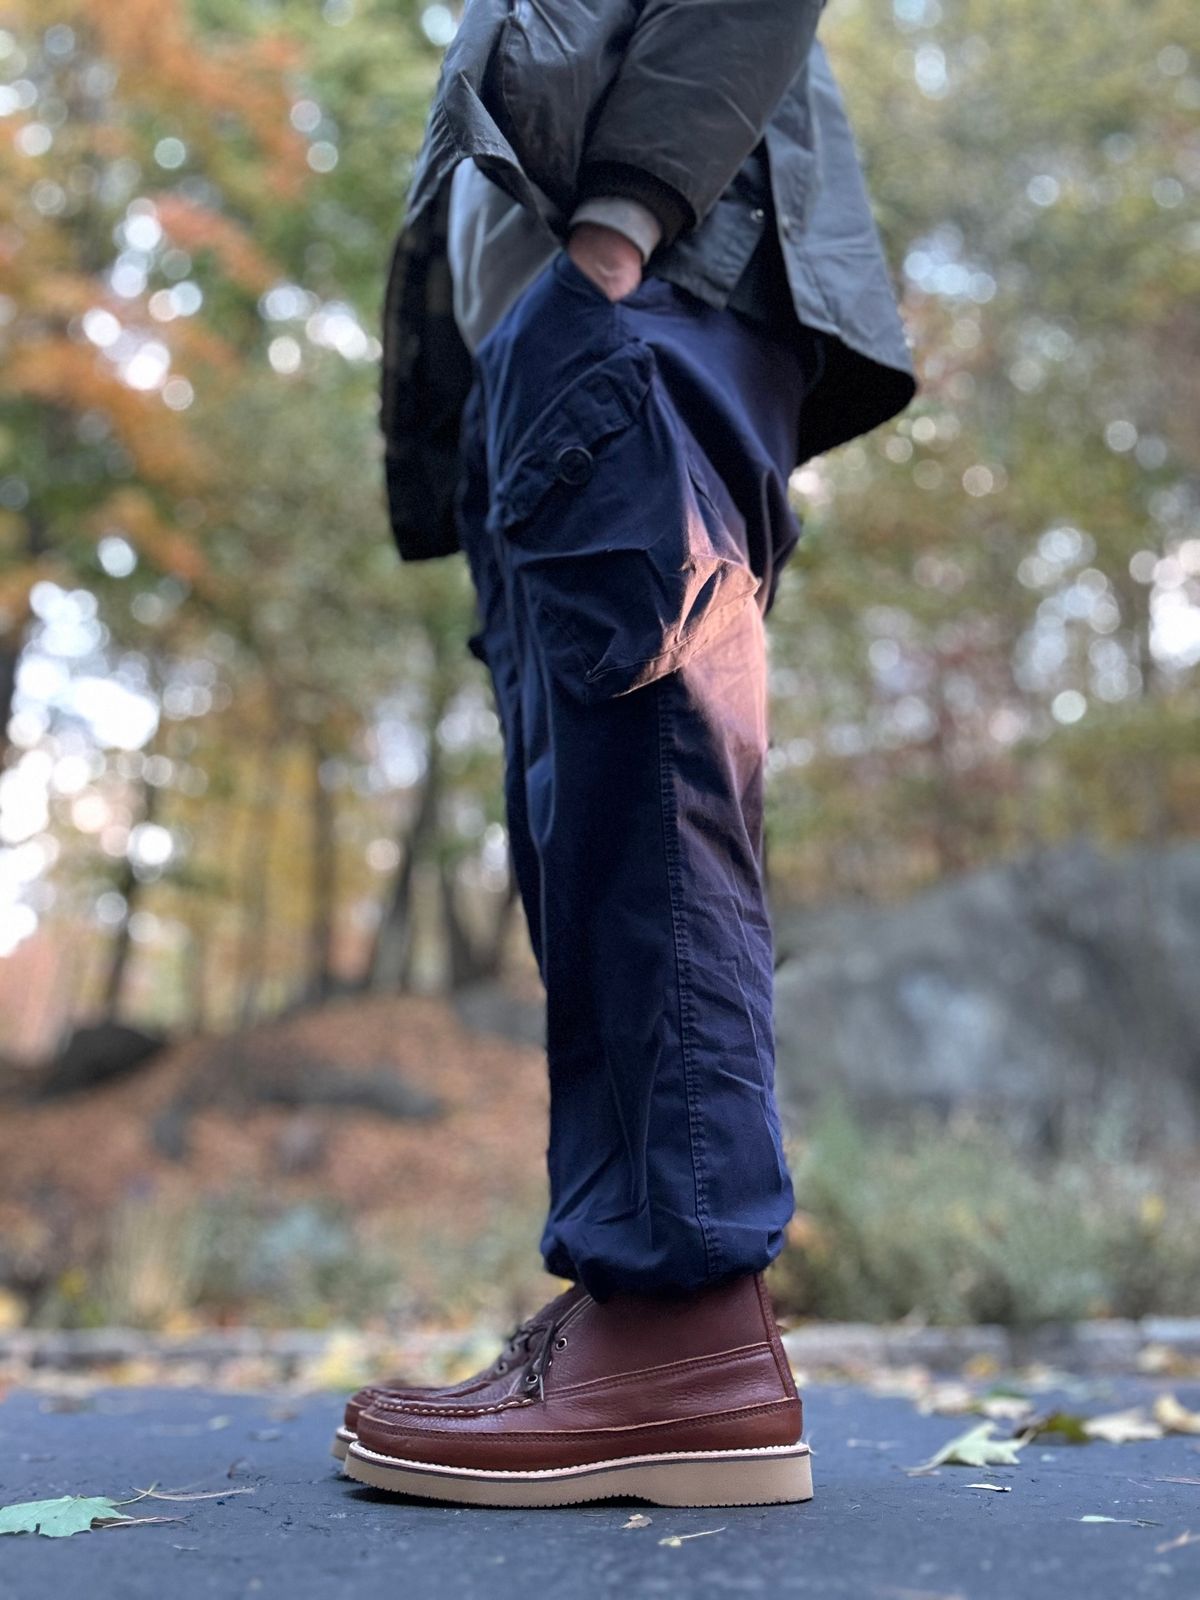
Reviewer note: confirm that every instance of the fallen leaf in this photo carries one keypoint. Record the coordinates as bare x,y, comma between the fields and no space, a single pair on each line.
674,1540
1177,1544
1173,1417
1000,1488
59,1519
1122,1427
981,1366
1065,1424
1162,1361
1005,1407
12,1313
637,1520
948,1399
975,1448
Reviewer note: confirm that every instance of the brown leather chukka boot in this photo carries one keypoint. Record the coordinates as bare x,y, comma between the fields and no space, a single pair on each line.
515,1353
683,1401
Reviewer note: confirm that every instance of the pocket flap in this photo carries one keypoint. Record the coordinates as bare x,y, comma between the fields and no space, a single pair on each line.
601,402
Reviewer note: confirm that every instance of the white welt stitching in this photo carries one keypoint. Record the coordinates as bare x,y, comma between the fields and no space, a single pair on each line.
765,1452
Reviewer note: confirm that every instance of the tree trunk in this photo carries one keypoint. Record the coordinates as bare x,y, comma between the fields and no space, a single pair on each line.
10,656
196,977
129,887
390,962
462,957
324,883
472,957
492,956
12,638
254,883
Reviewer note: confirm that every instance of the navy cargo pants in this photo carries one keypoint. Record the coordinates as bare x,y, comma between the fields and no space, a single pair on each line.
623,506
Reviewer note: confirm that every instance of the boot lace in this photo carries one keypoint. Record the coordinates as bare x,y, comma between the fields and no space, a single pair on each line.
535,1373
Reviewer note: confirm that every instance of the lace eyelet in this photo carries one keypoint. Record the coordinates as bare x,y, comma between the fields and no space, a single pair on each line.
502,1366
561,1342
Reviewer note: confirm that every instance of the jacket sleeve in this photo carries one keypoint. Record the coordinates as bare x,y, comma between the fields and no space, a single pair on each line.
698,84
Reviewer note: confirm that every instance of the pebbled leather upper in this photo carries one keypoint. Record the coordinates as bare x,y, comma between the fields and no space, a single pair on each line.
635,1375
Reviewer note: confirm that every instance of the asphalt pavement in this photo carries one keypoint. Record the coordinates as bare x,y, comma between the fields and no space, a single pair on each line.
872,1533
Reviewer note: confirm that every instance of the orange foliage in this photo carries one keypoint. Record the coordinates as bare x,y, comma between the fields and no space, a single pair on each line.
133,514
194,228
231,103
165,64
58,295
69,375
197,344
15,588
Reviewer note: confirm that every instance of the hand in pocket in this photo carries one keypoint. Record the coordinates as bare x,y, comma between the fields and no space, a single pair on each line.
608,258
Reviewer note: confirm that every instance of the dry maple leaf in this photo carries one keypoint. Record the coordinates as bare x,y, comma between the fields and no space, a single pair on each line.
1173,1417
975,1448
1122,1427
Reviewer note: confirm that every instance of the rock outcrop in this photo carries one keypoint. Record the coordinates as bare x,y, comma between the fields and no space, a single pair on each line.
1037,994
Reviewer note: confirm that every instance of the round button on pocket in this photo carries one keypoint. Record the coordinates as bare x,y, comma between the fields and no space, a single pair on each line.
574,463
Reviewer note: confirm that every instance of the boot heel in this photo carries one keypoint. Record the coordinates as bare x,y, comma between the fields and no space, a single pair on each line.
742,1478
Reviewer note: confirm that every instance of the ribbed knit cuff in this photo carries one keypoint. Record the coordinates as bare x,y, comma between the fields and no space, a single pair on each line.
628,217
605,179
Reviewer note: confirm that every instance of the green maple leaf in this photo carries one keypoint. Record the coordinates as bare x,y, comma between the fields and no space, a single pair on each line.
59,1519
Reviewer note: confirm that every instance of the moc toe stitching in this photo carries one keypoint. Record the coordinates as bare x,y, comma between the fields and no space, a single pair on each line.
449,1413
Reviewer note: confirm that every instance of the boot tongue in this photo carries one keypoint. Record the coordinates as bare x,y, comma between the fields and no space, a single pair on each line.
548,1317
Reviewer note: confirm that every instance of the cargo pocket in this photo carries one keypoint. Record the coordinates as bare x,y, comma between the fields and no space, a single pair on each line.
626,562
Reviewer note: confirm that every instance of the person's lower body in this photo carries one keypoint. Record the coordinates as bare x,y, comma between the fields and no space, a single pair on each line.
624,511
623,507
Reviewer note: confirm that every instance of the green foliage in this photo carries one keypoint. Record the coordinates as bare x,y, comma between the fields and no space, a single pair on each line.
987,640
240,1255
958,1226
942,1225
971,644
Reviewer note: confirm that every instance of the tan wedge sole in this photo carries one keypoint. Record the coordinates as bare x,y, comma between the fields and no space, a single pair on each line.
342,1440
773,1476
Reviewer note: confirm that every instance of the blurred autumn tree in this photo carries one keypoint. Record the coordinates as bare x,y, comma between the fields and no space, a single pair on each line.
199,202
990,637
251,748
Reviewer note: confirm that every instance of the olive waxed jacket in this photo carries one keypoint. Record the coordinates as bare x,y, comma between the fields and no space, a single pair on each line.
668,101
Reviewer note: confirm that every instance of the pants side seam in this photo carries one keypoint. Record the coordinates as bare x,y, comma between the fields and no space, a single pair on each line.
683,982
